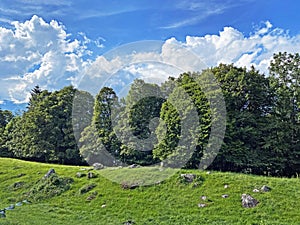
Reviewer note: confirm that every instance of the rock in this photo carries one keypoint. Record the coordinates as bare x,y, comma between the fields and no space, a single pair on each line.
79,175
203,197
129,222
91,175
248,201
226,186
133,166
11,207
265,188
49,173
255,190
26,201
126,185
103,206
189,177
90,198
19,204
208,172
98,166
18,185
202,205
2,213
225,196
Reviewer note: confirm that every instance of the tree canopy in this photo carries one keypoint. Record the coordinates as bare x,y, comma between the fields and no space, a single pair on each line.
148,125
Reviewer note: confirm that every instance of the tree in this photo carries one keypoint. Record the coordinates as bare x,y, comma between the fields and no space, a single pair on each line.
82,112
35,92
135,126
185,96
248,101
285,132
106,103
5,117
45,132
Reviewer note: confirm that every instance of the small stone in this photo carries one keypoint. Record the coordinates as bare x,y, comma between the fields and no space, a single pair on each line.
202,205
226,186
90,198
129,222
91,175
98,166
189,177
208,172
79,175
133,166
255,190
49,173
203,197
248,201
265,188
18,185
2,213
19,204
26,201
225,196
103,206
11,207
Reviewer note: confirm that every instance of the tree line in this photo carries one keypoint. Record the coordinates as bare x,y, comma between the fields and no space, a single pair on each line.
145,127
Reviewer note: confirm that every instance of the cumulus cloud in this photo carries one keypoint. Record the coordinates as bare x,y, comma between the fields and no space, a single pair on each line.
232,46
37,52
155,61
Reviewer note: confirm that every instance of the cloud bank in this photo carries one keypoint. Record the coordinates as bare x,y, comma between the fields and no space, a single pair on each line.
38,52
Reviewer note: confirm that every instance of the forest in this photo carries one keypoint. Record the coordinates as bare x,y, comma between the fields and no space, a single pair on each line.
73,127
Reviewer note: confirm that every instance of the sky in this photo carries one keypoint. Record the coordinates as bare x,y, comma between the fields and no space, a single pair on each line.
62,42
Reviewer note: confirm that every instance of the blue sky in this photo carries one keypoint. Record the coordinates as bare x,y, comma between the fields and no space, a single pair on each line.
56,43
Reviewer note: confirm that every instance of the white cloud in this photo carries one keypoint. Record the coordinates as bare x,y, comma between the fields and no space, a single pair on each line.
231,46
36,52
155,61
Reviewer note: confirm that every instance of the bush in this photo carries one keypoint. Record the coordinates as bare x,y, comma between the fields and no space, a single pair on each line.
49,187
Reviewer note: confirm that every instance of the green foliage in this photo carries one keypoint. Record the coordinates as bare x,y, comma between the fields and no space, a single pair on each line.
285,121
49,187
98,142
141,106
247,96
5,117
45,132
170,123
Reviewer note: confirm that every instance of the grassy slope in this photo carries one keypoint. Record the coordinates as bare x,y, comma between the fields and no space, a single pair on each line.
168,203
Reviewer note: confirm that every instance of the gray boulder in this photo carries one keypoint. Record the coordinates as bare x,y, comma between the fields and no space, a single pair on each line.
2,213
225,196
11,207
91,175
49,173
133,166
79,175
202,205
188,177
248,201
265,188
98,166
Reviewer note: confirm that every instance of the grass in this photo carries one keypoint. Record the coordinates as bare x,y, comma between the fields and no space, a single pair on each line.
168,201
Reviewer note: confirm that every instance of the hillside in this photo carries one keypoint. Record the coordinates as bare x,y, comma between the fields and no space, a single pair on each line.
169,202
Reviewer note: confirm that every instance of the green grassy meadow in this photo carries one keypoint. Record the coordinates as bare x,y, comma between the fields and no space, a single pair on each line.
170,201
